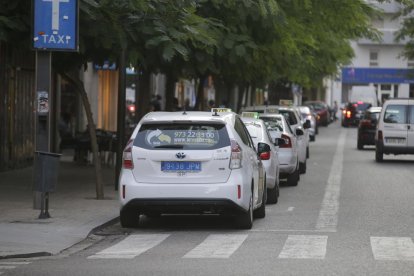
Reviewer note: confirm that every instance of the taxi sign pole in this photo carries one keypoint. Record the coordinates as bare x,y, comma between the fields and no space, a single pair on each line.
55,28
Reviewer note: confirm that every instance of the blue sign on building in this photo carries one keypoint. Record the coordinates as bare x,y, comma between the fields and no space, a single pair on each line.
55,25
352,75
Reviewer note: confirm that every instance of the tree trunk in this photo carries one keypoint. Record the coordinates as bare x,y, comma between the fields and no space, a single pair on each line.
169,91
200,94
142,102
78,84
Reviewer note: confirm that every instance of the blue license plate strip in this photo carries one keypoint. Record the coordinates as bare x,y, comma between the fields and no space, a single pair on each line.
180,166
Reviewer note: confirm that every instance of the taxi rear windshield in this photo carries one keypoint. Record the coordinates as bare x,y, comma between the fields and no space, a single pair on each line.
188,136
273,123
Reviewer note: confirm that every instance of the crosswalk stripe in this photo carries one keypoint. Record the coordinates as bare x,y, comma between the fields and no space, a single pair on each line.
392,248
131,246
217,246
304,247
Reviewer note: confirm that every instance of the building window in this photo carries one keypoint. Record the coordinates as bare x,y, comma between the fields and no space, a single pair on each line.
373,58
410,62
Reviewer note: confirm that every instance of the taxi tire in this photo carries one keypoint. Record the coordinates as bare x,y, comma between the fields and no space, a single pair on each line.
245,220
129,218
293,179
302,167
273,195
261,211
379,155
360,145
307,152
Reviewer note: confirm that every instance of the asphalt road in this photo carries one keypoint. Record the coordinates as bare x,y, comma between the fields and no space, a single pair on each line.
348,216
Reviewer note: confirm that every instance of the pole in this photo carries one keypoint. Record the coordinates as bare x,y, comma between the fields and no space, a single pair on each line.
43,100
121,115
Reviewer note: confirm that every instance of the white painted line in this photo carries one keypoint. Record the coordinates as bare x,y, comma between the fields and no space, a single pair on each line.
131,247
285,230
304,247
7,266
217,246
328,215
290,209
14,263
392,248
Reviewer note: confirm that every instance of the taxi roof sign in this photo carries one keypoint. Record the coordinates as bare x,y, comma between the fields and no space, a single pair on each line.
220,110
284,102
254,115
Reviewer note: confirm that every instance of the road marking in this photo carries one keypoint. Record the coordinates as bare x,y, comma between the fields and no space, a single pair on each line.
7,266
290,209
217,246
328,215
131,246
392,248
304,247
286,230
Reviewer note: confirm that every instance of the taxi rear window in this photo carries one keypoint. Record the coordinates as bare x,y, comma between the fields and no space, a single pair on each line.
187,136
273,123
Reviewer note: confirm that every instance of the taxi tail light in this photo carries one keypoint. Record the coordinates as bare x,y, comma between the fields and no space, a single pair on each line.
236,155
288,142
348,114
238,191
127,162
265,155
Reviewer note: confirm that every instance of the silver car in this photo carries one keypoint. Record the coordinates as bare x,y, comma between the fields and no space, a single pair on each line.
268,148
307,114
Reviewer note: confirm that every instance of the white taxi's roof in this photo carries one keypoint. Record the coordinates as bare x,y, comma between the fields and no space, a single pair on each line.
161,116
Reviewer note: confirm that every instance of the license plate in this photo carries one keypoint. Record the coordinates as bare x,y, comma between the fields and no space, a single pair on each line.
180,166
398,141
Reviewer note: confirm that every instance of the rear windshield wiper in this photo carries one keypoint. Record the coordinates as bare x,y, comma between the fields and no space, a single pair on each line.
169,147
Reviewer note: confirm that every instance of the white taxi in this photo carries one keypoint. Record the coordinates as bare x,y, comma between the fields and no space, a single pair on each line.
191,162
268,148
288,152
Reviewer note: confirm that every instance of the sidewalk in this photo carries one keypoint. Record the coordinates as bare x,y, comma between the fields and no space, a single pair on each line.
73,208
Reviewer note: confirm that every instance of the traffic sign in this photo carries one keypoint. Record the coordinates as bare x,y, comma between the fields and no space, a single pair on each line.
55,25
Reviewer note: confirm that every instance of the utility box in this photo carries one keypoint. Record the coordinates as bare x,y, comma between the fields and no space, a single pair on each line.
46,171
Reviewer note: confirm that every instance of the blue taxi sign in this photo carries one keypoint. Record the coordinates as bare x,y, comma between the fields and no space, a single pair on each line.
55,25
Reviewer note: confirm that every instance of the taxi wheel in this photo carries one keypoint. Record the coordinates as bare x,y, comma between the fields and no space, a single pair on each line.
302,167
293,179
307,152
379,155
261,211
360,146
245,220
273,195
129,218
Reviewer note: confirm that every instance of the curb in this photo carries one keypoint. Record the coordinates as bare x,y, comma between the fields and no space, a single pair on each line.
46,254
26,255
100,227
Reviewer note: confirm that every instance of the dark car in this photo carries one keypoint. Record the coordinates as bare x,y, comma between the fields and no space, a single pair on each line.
322,111
353,112
367,127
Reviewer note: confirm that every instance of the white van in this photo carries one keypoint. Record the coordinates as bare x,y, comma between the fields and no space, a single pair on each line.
395,129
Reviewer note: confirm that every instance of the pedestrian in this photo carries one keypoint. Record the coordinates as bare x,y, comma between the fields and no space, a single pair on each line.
156,103
335,110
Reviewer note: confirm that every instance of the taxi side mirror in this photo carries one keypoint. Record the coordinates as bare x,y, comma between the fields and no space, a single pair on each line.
307,124
262,147
299,132
279,142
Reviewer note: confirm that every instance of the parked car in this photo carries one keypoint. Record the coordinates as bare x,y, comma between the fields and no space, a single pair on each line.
278,127
367,127
307,114
395,130
353,112
293,117
174,159
322,109
269,155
